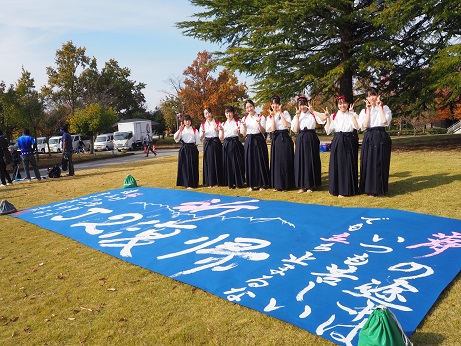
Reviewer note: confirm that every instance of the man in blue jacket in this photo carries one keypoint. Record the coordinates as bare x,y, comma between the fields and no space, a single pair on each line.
26,144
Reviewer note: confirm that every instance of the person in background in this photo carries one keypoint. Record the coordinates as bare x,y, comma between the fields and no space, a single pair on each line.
16,156
375,157
67,149
212,150
307,162
233,151
147,143
253,128
187,175
343,169
81,147
282,150
4,176
26,144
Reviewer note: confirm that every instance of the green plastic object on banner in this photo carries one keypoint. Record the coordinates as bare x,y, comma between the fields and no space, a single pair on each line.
382,328
129,182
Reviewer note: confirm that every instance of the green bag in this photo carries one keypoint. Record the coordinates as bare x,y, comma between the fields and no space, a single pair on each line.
383,329
129,182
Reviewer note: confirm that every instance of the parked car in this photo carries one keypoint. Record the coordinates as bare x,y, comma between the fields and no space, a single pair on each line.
55,144
104,141
42,145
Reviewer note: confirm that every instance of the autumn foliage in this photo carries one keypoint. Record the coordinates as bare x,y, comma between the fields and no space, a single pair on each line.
204,87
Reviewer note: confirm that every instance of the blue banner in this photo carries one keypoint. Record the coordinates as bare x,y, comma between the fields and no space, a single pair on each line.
323,269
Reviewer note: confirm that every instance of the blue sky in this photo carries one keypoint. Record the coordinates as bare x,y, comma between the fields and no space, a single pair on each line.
139,34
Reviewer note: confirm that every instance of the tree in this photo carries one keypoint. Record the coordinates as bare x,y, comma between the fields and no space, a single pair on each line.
290,47
92,119
202,90
77,82
171,107
9,110
29,102
64,86
445,82
125,95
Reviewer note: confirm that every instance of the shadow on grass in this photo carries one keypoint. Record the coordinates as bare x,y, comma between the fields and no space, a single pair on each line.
432,339
414,184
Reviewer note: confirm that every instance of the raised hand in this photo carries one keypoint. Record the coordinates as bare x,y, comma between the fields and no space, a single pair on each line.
351,108
367,103
298,111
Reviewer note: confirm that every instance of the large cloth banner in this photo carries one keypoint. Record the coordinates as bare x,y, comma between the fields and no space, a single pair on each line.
321,268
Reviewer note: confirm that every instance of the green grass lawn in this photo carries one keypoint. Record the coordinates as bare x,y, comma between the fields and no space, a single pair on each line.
56,291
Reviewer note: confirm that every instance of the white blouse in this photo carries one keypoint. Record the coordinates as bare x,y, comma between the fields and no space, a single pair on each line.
251,124
306,121
342,122
279,125
375,117
231,128
188,135
209,129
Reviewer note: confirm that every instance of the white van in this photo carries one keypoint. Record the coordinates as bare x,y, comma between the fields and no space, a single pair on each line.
104,142
55,144
42,145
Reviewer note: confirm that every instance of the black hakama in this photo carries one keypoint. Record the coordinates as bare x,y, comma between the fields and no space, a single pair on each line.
343,170
233,163
282,161
256,161
375,159
188,166
307,160
212,162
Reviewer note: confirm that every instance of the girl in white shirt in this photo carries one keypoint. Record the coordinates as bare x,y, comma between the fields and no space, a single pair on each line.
253,128
233,164
375,156
282,148
212,150
343,169
188,154
307,162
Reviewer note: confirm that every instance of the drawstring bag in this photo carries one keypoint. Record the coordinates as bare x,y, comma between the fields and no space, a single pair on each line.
6,208
382,328
129,182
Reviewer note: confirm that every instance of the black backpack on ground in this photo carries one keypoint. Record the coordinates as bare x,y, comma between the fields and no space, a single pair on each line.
54,172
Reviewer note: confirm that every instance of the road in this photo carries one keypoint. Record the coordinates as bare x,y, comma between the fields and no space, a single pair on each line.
137,155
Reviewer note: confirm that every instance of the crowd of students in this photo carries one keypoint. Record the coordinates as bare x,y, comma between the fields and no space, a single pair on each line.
228,162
